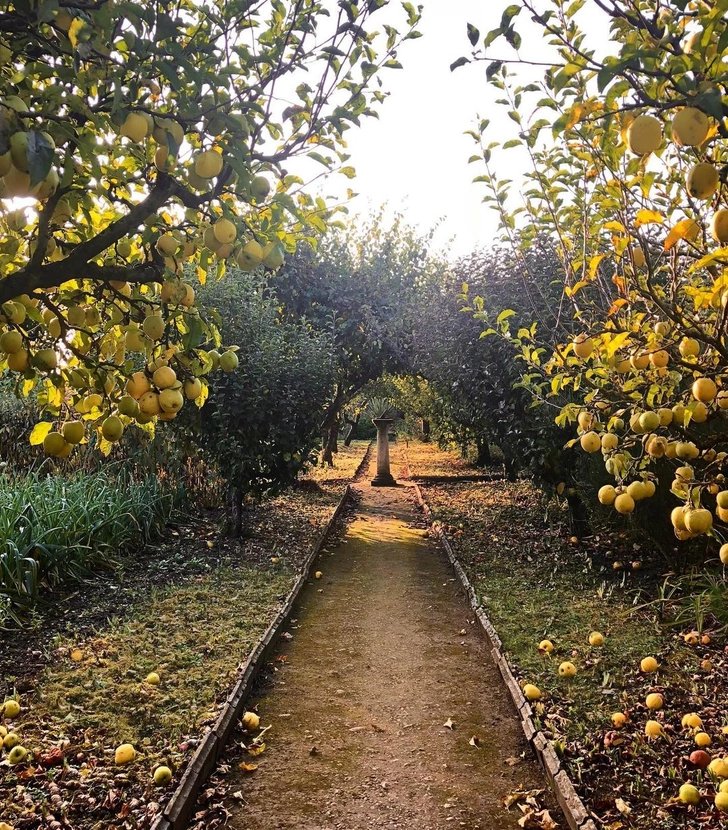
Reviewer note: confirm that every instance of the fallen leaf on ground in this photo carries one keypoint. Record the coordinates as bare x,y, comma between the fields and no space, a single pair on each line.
622,806
521,795
475,741
449,724
247,767
512,761
541,819
313,751
256,749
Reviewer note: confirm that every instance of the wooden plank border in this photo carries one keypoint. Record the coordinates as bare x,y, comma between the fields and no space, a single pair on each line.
571,804
179,809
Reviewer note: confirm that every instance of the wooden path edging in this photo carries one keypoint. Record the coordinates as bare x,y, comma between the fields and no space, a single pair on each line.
571,804
179,809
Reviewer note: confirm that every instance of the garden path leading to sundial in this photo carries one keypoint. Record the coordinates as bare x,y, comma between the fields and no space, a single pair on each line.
377,664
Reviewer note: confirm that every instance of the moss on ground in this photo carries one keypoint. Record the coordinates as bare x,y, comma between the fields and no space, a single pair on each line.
194,636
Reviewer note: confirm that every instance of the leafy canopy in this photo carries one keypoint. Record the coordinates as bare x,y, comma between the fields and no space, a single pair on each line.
631,187
143,146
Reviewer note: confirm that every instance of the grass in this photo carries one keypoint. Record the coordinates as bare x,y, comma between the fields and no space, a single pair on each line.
427,459
537,582
194,636
535,585
93,696
346,461
194,633
57,529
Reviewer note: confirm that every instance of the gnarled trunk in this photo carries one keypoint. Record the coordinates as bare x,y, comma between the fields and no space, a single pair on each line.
484,458
331,445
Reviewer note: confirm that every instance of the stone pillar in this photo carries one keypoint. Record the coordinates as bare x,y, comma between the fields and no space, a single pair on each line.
383,477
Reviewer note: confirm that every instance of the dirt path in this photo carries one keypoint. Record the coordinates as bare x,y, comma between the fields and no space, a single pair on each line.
378,662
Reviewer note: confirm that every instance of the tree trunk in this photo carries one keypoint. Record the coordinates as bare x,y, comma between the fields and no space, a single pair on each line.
353,431
578,516
236,503
330,445
484,458
511,469
425,429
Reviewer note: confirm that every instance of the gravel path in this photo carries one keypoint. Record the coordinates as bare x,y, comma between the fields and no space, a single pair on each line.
384,652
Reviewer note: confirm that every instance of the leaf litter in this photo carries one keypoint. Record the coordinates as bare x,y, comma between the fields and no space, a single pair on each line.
539,582
195,632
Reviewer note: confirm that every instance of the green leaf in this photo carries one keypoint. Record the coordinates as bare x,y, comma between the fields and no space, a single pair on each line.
473,34
711,102
512,36
458,63
493,67
412,16
492,35
40,157
511,11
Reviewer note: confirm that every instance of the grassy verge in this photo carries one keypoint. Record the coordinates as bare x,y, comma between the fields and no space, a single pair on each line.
429,460
346,461
194,632
536,582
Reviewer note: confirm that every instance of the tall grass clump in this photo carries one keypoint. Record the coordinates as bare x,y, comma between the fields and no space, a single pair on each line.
55,530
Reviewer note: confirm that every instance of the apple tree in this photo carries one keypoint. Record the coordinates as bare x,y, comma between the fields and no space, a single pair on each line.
143,147
360,287
477,378
260,425
627,160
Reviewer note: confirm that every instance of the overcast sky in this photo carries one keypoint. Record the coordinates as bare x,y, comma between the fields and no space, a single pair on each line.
415,156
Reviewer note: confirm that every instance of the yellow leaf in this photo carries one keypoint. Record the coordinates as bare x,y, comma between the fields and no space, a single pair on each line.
574,289
76,27
684,229
648,217
204,394
721,256
575,116
616,305
256,749
614,344
39,432
248,767
594,264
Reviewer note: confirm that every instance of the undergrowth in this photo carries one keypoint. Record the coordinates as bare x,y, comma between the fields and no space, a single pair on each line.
55,529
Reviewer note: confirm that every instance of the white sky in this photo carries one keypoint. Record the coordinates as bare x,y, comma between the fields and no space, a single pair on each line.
415,156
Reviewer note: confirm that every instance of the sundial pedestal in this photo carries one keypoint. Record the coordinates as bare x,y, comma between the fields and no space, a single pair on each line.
383,477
